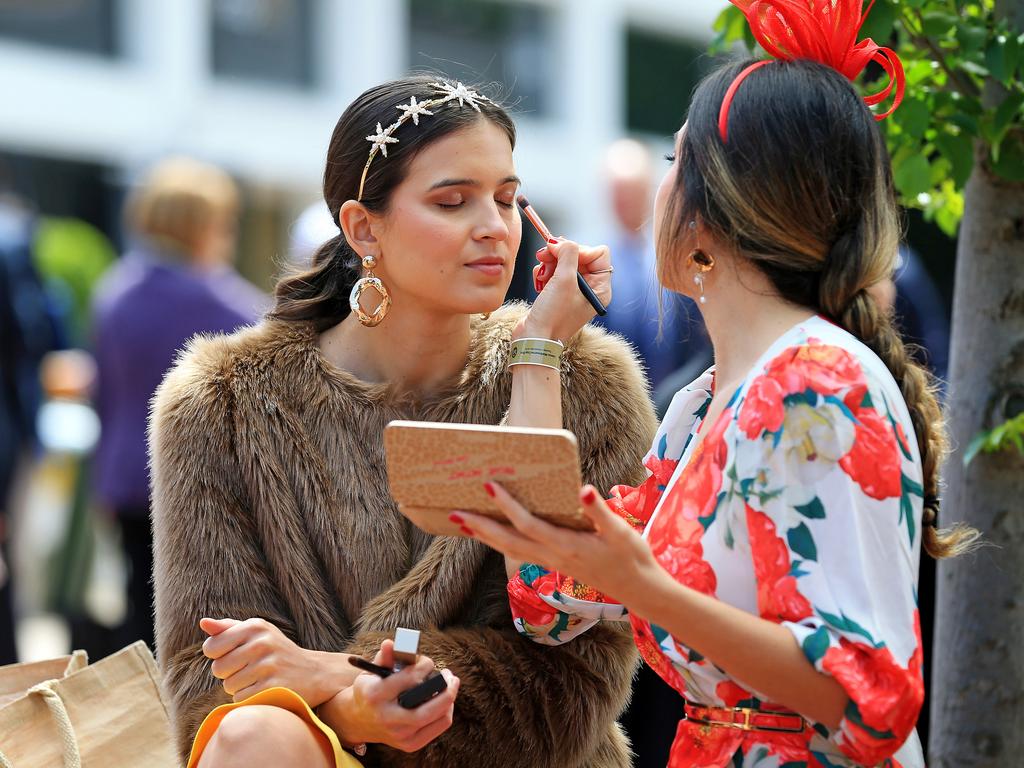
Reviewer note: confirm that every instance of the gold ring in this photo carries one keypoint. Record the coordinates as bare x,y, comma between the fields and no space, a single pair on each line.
603,271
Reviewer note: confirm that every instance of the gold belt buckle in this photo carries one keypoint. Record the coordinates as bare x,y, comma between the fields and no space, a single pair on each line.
731,723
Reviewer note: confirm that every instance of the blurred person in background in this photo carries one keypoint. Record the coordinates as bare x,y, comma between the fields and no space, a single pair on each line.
634,313
29,331
176,281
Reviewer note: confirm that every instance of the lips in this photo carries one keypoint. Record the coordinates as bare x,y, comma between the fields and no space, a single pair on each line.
489,265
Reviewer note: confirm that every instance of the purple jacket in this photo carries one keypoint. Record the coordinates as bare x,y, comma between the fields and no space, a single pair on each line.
146,309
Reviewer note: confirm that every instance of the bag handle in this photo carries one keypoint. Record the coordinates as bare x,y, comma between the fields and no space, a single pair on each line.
72,757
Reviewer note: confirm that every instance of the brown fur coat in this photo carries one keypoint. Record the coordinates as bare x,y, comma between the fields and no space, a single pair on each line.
270,499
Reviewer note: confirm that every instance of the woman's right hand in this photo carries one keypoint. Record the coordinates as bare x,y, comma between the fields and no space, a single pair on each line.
368,711
561,310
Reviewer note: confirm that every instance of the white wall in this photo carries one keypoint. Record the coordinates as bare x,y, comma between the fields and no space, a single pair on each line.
160,98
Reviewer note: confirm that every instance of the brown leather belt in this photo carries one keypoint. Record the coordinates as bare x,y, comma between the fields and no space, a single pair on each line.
745,719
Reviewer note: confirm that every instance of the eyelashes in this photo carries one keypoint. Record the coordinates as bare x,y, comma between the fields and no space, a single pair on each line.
671,157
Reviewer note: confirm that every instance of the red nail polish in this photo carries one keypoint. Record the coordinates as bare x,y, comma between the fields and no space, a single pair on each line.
457,519
537,285
553,241
490,489
466,531
589,497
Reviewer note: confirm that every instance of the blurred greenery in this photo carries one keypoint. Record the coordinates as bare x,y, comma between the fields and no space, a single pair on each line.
964,99
71,255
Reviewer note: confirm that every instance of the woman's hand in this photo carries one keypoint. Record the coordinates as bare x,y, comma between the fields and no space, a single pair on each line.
560,309
368,710
253,655
614,559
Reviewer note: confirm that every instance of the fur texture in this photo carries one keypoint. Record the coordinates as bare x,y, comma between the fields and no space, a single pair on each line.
270,499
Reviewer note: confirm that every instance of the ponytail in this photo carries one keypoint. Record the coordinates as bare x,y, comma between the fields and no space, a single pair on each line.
861,316
319,293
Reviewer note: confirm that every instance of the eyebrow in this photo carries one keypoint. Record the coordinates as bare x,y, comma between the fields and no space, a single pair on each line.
472,183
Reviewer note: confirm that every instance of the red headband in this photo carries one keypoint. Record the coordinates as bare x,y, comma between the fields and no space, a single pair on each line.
820,30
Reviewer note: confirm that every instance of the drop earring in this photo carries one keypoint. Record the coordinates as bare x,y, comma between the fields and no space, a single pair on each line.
703,262
374,282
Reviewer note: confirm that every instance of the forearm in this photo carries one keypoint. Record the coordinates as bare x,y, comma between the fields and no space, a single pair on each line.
757,653
536,402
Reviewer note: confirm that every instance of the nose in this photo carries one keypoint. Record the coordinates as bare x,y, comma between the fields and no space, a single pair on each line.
493,225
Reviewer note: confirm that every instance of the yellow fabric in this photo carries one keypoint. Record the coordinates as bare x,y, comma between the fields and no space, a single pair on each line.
274,697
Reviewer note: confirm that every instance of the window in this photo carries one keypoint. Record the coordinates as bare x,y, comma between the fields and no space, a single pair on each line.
661,73
88,26
484,40
264,40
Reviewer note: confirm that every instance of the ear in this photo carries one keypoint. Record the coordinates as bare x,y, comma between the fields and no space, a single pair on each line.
358,225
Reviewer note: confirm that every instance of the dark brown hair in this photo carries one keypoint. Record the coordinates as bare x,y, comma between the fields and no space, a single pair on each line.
803,189
320,293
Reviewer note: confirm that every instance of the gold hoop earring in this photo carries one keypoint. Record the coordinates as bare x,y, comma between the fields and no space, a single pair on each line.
374,282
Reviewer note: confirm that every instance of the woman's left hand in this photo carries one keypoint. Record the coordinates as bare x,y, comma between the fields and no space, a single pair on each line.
614,559
253,655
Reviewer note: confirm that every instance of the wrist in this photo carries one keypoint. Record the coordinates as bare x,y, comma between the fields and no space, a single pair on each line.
333,674
338,713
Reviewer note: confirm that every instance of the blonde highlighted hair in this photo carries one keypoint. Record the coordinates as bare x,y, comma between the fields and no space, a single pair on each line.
179,201
803,189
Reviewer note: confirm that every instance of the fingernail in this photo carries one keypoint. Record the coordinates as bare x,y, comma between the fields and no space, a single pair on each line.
466,531
536,285
490,489
553,241
457,519
589,497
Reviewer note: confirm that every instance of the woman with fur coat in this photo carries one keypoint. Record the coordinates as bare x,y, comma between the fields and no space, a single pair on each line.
279,550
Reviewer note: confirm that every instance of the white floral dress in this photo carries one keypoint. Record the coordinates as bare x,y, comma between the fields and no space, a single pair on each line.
802,504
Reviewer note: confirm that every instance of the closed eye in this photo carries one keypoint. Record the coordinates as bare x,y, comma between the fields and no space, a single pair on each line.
671,157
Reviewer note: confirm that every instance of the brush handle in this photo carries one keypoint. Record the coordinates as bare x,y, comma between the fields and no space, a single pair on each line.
587,291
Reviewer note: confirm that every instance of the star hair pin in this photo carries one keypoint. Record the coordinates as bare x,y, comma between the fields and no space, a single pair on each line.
413,111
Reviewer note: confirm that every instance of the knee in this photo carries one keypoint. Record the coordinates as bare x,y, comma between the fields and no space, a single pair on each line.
254,735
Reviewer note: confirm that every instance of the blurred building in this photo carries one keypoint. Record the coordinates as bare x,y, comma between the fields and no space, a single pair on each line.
94,90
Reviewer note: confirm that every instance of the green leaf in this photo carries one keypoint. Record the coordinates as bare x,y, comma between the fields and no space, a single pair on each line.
937,23
880,22
816,644
801,542
971,37
1010,162
914,117
1006,113
845,624
813,509
959,150
913,176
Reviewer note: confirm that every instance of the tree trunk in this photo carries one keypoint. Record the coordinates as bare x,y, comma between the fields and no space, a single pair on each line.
977,716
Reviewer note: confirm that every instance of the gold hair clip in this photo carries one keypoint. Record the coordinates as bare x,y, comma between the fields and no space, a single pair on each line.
413,111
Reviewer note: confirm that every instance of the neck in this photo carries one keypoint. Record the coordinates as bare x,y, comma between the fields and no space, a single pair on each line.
415,351
744,318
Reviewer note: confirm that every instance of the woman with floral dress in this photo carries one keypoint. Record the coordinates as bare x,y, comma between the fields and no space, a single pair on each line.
768,565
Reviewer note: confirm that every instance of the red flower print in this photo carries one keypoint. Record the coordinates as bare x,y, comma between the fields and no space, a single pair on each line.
874,460
636,505
526,605
685,561
652,653
886,696
731,694
695,493
821,367
762,408
661,469
778,598
698,746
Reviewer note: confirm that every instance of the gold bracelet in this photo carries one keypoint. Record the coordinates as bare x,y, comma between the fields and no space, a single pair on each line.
543,352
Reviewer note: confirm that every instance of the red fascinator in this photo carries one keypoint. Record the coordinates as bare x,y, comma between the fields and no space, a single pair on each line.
820,30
